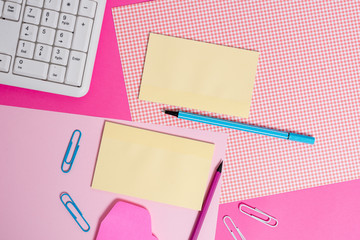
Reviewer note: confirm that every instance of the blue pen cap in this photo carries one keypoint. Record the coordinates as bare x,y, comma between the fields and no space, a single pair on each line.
301,138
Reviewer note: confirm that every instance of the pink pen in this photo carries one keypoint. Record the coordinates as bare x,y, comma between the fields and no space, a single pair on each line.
206,204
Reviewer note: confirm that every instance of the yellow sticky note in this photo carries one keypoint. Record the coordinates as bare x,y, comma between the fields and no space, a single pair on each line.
152,165
198,75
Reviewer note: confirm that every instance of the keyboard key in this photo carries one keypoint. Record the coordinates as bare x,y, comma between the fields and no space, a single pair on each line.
70,6
82,34
31,68
42,52
75,68
4,63
16,1
35,3
49,18
52,4
1,7
25,49
28,32
56,73
87,8
60,56
11,11
67,22
32,15
63,39
46,35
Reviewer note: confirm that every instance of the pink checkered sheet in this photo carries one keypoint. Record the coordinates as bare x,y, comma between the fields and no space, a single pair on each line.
307,81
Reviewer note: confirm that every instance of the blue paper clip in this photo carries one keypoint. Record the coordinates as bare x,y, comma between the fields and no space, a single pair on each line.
70,163
71,202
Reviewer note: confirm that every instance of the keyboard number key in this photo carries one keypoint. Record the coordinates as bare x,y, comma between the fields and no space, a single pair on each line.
70,6
35,3
63,39
56,73
46,35
26,49
11,11
87,8
52,4
67,22
60,56
49,18
42,52
28,32
75,69
31,68
82,34
32,15
4,63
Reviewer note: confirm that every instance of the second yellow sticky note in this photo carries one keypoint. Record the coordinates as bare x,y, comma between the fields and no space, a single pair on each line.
152,165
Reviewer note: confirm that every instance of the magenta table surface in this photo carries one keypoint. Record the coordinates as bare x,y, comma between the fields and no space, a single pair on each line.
327,212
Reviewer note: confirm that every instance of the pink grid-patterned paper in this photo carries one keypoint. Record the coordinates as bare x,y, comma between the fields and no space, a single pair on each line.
307,81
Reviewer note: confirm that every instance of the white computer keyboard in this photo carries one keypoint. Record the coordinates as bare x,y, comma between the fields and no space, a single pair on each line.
49,45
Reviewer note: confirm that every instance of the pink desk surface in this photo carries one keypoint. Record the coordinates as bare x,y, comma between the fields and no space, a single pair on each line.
32,146
107,95
327,212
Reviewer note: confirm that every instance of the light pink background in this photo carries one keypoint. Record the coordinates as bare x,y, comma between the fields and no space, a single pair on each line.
107,95
327,212
32,147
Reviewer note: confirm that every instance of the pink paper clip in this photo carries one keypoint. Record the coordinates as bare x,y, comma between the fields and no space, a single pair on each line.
262,217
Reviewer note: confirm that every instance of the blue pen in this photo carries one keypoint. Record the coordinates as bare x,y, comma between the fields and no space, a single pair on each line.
242,126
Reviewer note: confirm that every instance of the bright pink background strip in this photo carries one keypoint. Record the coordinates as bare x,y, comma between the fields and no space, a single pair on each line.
321,213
